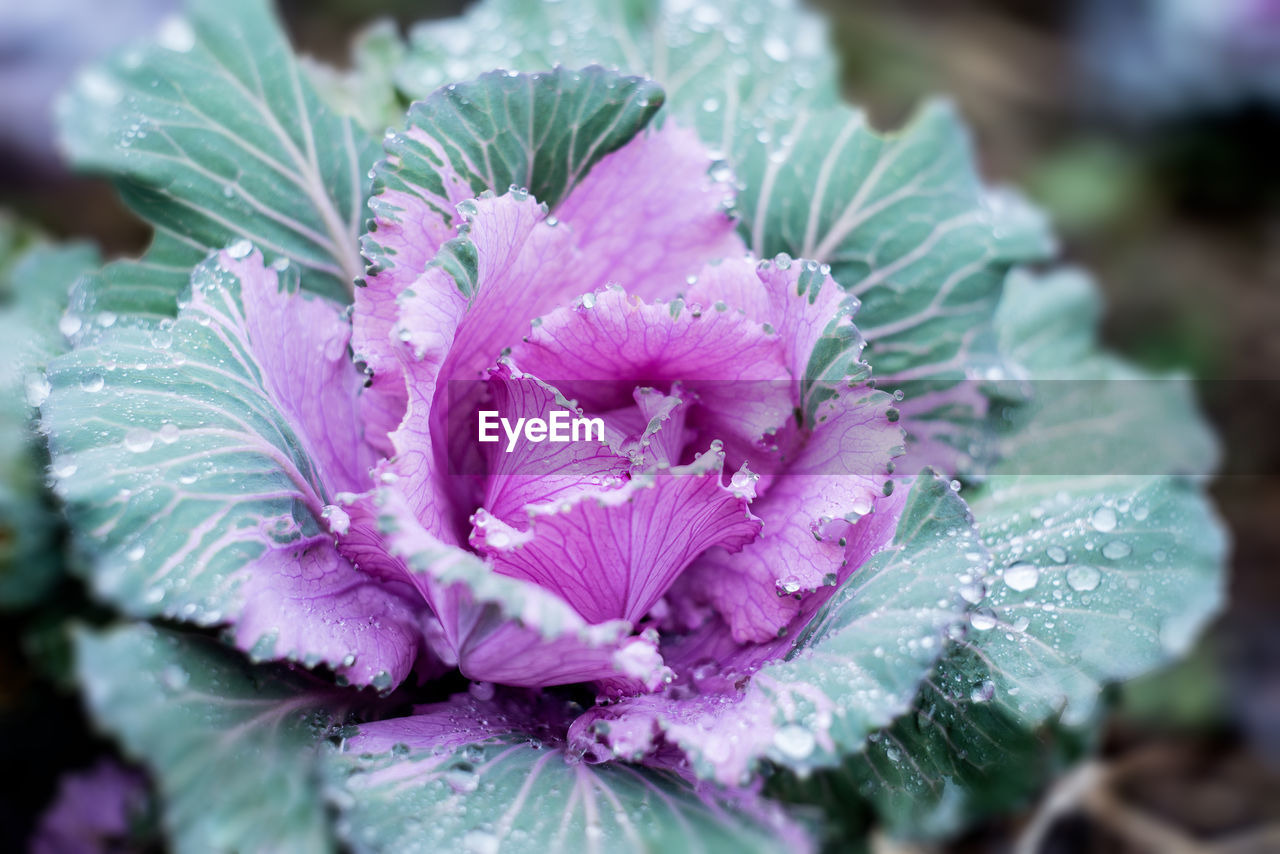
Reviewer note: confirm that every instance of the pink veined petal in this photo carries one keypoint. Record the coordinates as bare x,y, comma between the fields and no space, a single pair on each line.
539,472
508,631
315,606
522,265
409,228
600,350
612,554
306,370
808,515
769,293
712,644
448,725
650,214
354,523
725,733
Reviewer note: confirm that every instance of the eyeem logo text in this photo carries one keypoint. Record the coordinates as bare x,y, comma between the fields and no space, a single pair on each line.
561,426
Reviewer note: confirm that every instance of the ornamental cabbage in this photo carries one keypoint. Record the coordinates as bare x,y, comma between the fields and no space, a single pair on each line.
861,494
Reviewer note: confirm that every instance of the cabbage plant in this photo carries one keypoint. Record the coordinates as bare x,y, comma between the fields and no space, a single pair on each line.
861,521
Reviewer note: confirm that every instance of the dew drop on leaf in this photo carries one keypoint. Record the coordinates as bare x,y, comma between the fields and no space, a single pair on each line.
462,777
37,390
983,691
1083,578
776,49
1021,576
794,742
982,620
480,842
1116,550
177,35
1103,520
973,592
138,440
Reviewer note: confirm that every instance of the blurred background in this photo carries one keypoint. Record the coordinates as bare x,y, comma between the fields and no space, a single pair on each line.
1149,129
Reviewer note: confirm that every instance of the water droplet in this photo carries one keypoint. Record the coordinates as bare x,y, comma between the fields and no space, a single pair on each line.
974,592
69,324
174,677
588,300
38,389
1103,520
462,777
776,49
982,620
176,34
338,519
479,841
1021,576
169,433
1057,554
138,440
1083,578
794,742
240,249
97,86
1116,550
983,691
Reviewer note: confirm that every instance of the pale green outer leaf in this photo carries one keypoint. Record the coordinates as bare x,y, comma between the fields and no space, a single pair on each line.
511,792
720,64
908,228
232,751
34,278
1090,412
1099,577
861,660
1124,566
176,468
1125,572
1040,656
936,768
214,134
146,288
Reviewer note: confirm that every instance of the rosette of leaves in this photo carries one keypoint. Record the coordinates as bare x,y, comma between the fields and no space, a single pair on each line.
987,614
